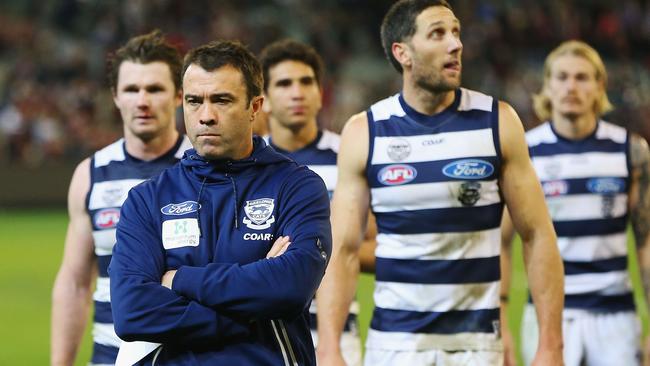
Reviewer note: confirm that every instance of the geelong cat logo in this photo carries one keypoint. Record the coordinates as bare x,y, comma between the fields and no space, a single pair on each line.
468,169
259,213
397,174
177,209
107,218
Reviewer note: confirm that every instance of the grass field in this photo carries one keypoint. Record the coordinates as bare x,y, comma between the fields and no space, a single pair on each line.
31,245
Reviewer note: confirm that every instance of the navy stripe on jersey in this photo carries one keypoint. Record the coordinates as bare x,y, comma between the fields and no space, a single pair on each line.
450,322
472,270
580,185
587,146
102,263
431,171
596,266
443,220
590,227
597,302
103,312
104,354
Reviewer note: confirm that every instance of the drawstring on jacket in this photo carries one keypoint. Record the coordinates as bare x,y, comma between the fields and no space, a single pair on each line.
234,190
198,211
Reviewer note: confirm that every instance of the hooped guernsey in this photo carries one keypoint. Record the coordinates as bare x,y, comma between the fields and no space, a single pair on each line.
214,222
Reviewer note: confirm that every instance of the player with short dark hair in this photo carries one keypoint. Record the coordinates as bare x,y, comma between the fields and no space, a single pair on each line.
146,90
436,163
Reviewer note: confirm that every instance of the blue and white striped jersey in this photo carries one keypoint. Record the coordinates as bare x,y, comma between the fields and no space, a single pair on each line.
113,172
320,157
435,194
586,185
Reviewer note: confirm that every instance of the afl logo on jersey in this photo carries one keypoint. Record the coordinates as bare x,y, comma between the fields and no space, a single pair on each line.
397,174
554,188
468,169
606,185
107,218
177,209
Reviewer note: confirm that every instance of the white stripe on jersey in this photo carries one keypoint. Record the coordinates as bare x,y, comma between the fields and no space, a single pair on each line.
607,130
112,152
329,141
111,193
103,290
585,165
401,341
471,99
584,207
425,196
328,173
436,298
386,108
441,146
591,248
185,145
608,283
105,334
104,241
439,245
541,135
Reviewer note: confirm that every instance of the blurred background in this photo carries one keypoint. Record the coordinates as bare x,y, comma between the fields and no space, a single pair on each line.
56,107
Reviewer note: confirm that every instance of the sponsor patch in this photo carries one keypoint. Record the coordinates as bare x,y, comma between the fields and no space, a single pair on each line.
606,185
554,188
258,236
396,174
180,233
398,149
468,169
107,218
259,213
177,209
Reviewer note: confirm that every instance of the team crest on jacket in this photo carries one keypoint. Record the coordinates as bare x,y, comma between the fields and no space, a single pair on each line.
259,213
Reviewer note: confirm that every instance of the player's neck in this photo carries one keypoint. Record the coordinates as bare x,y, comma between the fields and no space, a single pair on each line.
150,149
426,102
574,128
292,139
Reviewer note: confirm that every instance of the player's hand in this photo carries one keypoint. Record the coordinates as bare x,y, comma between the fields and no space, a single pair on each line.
646,352
509,358
332,358
548,357
168,278
279,247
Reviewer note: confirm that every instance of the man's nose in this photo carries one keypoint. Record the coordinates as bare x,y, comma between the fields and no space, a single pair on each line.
206,115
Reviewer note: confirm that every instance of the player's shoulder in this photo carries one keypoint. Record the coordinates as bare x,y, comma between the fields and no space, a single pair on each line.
384,109
609,131
107,154
475,100
541,134
329,141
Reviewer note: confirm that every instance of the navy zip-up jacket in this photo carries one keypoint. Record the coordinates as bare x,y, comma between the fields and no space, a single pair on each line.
214,222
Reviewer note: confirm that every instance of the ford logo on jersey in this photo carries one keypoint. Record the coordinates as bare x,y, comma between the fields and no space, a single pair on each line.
107,218
396,174
606,185
177,209
468,169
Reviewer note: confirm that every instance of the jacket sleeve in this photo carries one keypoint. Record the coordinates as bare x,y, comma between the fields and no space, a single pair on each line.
279,287
142,308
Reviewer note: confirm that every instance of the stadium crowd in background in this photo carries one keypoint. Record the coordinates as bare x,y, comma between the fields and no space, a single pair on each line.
54,103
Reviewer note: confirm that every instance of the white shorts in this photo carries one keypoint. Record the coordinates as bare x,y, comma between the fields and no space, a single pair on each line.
590,338
380,357
350,346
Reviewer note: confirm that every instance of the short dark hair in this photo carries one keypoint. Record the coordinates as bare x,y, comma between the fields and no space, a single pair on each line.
288,49
146,48
399,24
217,54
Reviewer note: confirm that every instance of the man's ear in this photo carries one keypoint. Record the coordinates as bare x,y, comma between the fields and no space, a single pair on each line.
256,104
402,53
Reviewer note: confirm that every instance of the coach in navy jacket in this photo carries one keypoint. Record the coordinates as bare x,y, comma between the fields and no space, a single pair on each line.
190,267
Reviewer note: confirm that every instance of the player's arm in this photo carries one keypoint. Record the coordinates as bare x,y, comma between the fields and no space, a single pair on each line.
72,292
525,201
639,201
279,287
507,235
349,212
367,250
143,309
